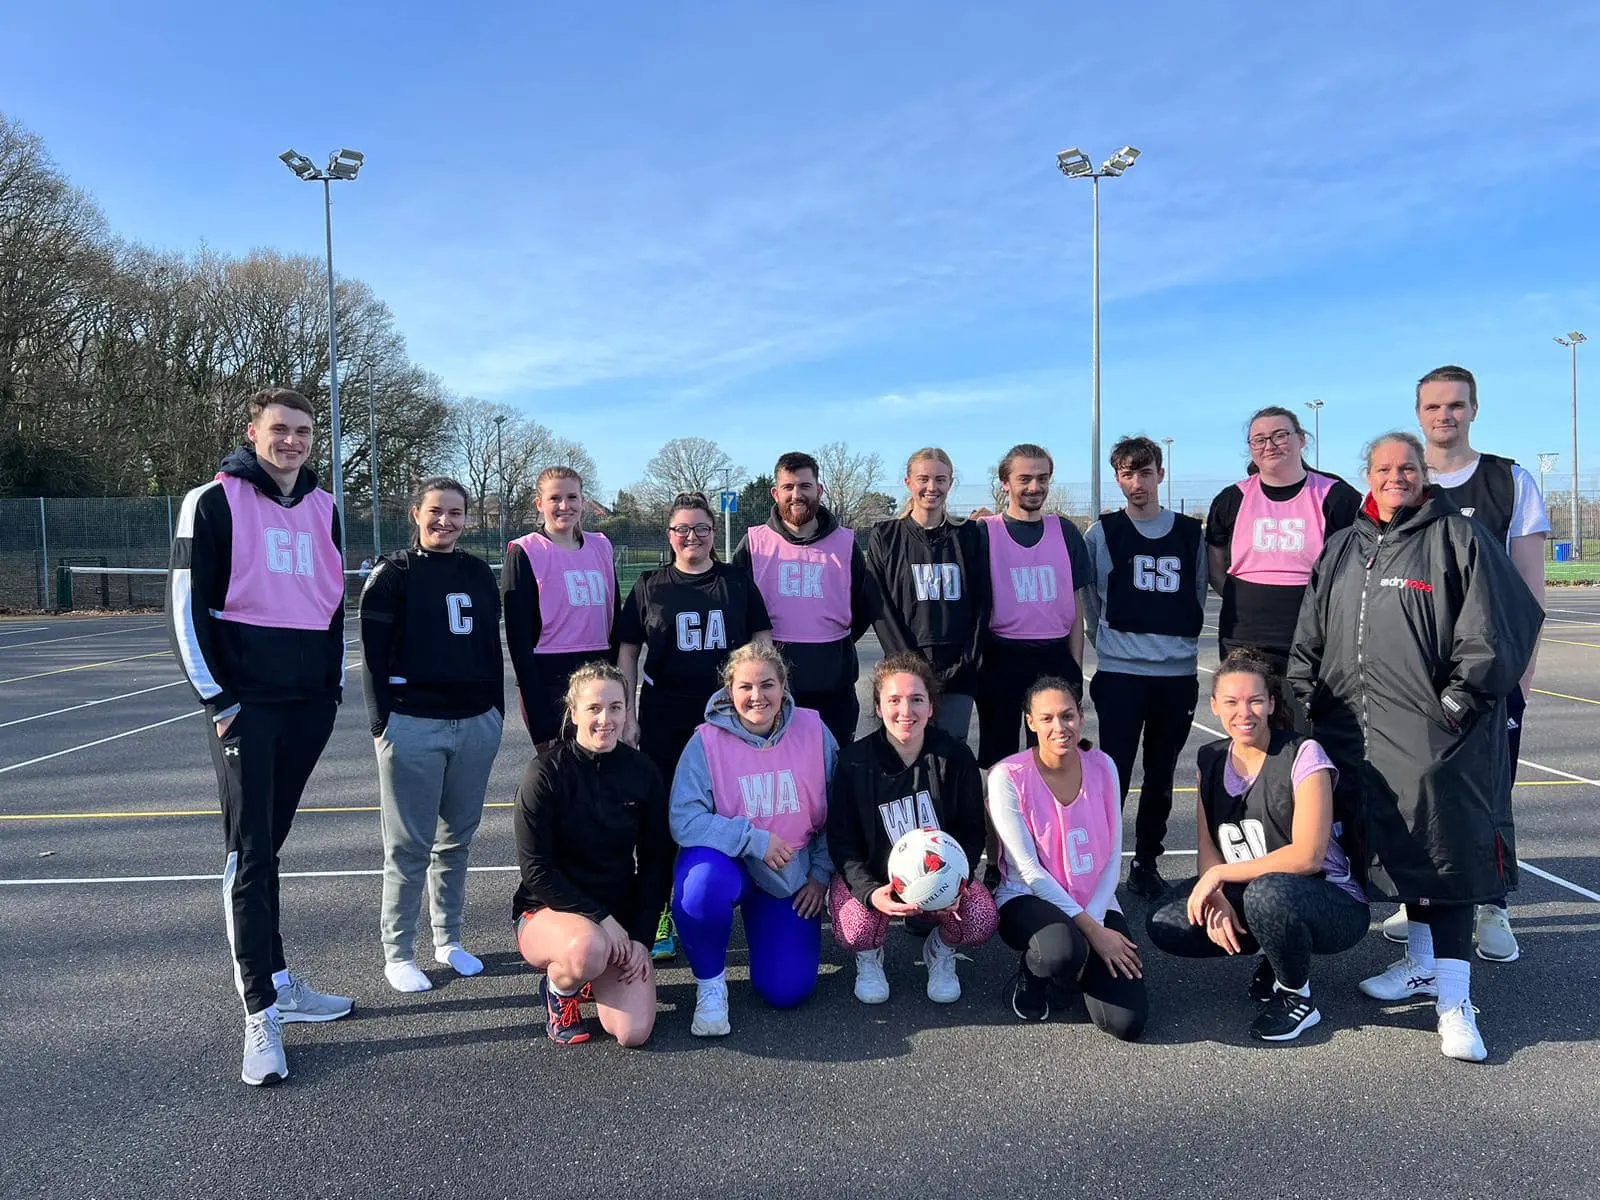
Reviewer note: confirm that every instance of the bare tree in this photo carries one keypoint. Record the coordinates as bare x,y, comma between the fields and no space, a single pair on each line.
691,464
847,479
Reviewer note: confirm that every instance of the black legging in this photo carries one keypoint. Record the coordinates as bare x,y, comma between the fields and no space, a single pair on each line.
1451,925
1286,917
1054,948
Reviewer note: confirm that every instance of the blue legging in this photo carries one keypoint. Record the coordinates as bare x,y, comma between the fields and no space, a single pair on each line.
785,949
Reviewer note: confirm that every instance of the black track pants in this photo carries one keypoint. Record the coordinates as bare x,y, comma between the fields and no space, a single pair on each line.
1161,709
262,767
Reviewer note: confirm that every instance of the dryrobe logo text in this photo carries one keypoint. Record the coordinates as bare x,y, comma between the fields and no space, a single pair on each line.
1400,581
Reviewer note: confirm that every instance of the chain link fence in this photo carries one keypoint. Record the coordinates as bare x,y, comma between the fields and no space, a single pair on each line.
40,536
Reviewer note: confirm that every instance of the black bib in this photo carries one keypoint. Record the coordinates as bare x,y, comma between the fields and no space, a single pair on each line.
1489,497
1152,586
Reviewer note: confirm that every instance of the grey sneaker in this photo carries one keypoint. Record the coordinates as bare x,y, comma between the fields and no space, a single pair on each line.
297,1002
1496,942
264,1060
944,987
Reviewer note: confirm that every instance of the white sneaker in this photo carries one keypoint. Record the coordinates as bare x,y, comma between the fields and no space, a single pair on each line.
1458,1033
1401,981
1496,942
406,976
872,986
264,1060
943,986
459,960
711,1008
297,1002
1396,928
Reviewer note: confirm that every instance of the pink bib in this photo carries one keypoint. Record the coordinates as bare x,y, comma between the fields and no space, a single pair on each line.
1075,842
1034,598
1277,542
807,588
286,572
577,592
782,789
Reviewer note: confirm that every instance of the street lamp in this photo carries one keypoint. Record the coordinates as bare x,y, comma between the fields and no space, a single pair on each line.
1316,445
1572,341
345,165
500,458
1167,442
1075,164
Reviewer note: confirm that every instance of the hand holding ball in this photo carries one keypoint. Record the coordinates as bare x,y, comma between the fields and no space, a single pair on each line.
927,868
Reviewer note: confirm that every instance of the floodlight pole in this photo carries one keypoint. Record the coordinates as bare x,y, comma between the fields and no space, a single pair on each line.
1316,413
1094,409
372,454
333,368
1167,442
500,459
1572,341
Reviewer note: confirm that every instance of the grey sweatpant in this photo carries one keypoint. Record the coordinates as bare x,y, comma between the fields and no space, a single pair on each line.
432,775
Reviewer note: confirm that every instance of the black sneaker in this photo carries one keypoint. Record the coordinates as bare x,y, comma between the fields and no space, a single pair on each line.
1144,880
1029,996
1262,983
1284,1017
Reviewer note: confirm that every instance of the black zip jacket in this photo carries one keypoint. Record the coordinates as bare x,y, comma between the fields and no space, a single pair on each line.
430,637
825,666
1411,635
227,662
936,595
592,837
874,799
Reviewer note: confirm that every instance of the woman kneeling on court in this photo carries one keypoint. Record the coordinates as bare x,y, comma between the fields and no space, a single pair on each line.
749,809
596,863
1273,877
1058,813
909,774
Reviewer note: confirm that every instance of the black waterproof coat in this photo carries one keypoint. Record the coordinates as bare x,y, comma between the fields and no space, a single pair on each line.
1410,637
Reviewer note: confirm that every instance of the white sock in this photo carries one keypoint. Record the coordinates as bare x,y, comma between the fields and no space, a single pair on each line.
1455,982
1303,990
555,991
406,977
280,978
458,960
1419,944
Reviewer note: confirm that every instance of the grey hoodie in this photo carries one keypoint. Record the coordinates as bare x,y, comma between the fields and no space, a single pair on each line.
696,822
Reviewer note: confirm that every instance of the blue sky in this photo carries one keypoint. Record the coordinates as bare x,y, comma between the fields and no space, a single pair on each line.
777,225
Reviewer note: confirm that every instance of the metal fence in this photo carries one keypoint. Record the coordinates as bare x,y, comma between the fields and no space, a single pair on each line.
38,536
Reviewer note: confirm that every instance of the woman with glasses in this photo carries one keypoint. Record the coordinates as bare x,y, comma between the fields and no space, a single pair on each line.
688,616
1264,533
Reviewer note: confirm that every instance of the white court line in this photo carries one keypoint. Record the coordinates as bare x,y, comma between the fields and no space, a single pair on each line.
1528,762
24,629
100,742
89,704
1556,879
81,636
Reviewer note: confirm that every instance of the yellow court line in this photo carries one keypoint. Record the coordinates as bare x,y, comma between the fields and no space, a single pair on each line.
1564,696
371,808
88,666
1564,642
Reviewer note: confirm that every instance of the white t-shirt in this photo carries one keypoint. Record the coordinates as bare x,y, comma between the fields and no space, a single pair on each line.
1527,506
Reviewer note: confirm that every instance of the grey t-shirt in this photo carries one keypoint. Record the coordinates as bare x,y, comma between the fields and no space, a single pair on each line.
1138,653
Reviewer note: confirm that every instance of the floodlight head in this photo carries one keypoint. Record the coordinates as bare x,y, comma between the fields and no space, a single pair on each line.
1577,337
299,164
1120,161
345,164
1073,163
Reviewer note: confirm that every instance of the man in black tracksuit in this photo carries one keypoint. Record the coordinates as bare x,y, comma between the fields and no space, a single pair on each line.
255,610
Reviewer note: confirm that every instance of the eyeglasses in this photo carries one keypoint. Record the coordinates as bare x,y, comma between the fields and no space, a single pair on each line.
688,531
1278,437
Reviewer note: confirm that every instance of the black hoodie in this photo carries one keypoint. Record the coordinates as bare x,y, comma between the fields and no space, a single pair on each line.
824,666
936,595
1411,635
874,799
227,662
